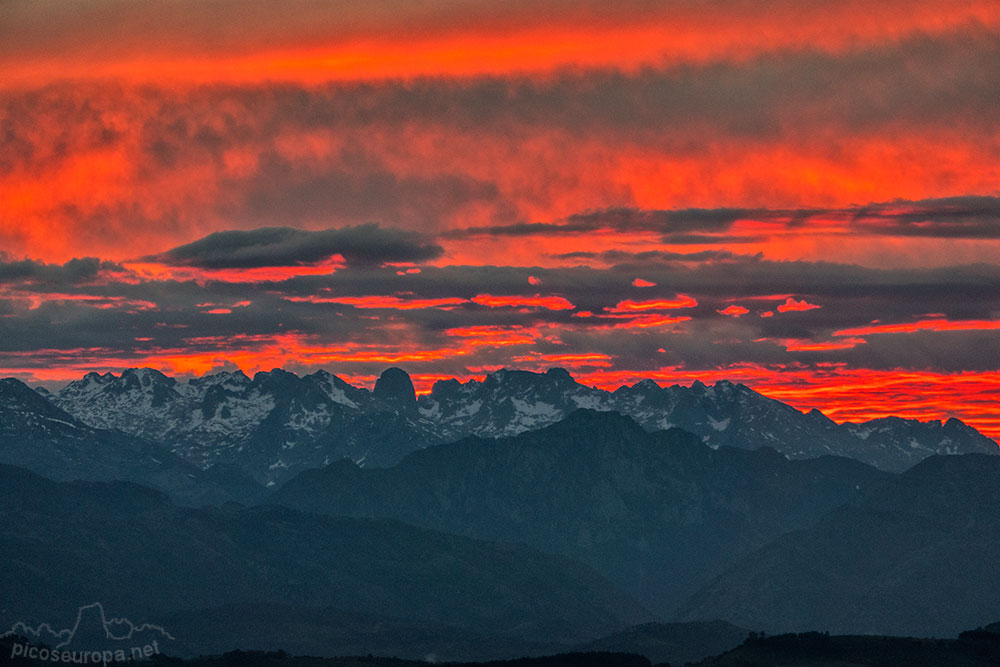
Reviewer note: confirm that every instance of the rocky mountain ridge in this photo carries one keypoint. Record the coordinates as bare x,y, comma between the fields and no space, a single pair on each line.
277,424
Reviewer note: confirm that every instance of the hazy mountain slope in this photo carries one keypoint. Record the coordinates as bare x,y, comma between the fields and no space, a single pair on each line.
658,513
917,556
127,546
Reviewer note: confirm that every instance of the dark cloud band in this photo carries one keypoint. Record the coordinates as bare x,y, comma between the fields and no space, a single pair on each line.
286,246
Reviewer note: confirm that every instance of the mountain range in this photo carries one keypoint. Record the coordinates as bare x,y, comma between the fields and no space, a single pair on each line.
521,514
271,426
277,424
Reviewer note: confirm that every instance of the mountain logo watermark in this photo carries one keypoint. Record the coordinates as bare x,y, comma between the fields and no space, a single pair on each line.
94,639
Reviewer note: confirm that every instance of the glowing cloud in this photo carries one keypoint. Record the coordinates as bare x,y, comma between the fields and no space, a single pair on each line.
630,306
537,301
922,325
792,306
375,302
193,204
733,311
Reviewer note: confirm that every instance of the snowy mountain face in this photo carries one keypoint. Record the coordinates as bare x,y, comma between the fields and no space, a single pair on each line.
506,403
276,424
214,410
271,426
39,436
726,414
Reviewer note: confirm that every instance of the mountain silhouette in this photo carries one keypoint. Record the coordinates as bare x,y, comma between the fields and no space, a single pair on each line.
657,513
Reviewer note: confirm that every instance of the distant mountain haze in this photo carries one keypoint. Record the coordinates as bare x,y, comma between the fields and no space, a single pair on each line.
657,513
915,556
132,549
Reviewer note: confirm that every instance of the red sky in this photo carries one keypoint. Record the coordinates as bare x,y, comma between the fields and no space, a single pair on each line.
804,196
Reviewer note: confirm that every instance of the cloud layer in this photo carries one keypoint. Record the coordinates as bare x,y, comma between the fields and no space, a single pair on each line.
804,198
801,141
660,316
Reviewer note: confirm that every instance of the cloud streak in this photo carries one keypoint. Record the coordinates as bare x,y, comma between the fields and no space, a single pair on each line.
191,41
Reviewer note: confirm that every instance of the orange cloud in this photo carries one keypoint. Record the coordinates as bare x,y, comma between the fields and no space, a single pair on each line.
264,274
805,345
625,321
792,305
733,311
35,300
122,142
252,41
250,353
564,360
922,325
630,306
89,199
389,302
494,336
648,321
537,301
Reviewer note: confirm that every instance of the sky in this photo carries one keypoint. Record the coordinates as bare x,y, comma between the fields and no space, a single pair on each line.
800,195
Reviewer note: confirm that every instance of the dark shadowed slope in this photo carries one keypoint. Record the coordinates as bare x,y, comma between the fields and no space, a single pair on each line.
918,556
68,544
813,649
658,513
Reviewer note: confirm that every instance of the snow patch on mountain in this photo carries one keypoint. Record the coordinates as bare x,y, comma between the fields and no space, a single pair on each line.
720,424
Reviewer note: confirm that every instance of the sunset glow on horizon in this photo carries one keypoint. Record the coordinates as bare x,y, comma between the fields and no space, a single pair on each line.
802,197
